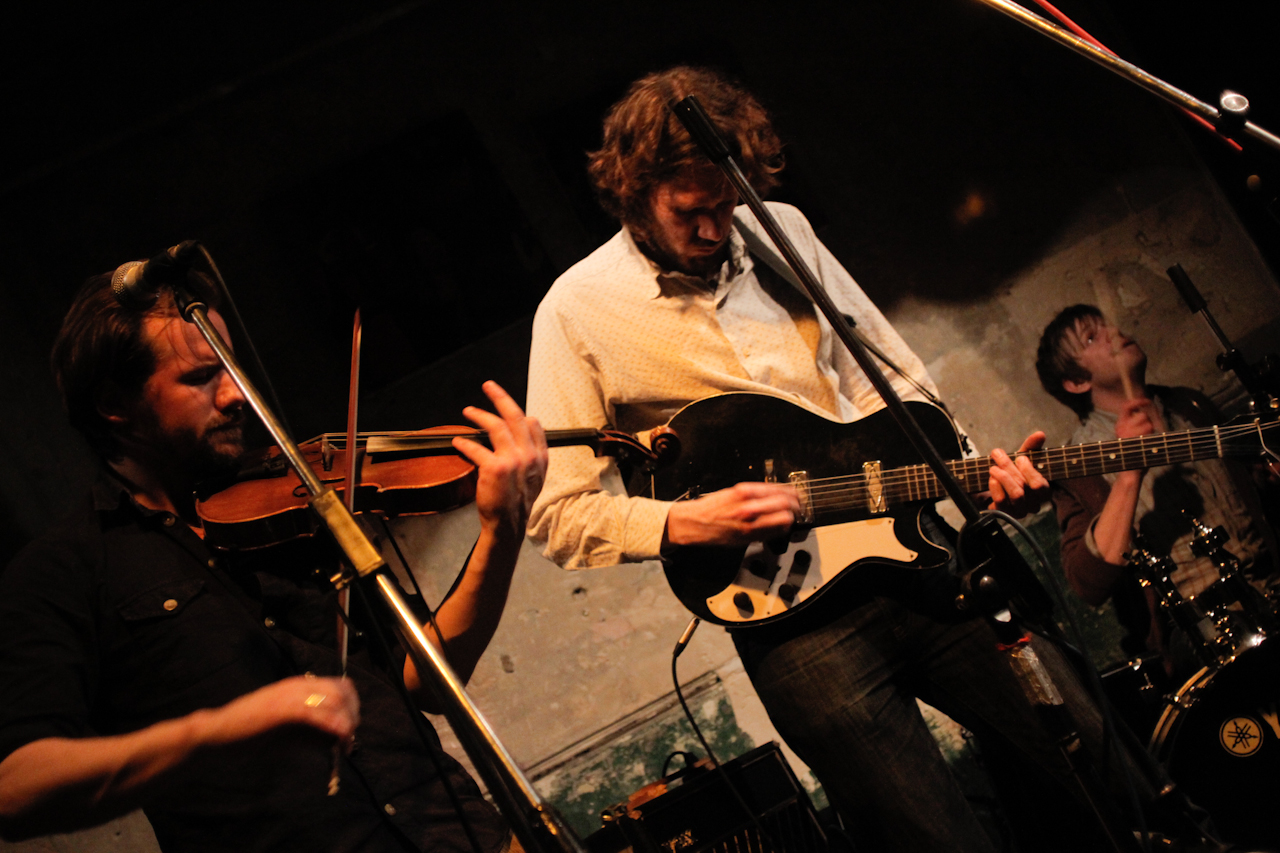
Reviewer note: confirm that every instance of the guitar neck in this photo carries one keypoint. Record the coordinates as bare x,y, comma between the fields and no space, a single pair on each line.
917,482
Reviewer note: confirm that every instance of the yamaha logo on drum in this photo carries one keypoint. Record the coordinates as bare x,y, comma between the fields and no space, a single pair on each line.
1240,736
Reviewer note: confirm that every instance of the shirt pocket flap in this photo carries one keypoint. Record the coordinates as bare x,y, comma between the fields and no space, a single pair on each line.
166,599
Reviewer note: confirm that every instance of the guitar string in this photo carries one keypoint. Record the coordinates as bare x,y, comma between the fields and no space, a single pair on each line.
917,481
917,477
858,493
914,475
1074,454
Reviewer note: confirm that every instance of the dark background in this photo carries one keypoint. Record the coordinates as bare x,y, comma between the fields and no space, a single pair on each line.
424,161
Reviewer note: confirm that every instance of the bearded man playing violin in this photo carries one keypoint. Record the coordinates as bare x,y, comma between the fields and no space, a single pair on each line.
141,668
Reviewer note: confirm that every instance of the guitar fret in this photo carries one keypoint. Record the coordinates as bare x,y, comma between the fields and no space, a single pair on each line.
913,483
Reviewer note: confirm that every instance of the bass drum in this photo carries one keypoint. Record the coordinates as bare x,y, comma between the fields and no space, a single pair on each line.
1219,737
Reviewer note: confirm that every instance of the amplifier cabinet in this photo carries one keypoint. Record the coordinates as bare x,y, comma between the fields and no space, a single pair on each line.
699,813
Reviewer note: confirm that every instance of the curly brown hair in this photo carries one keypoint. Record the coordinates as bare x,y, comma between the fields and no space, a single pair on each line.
645,144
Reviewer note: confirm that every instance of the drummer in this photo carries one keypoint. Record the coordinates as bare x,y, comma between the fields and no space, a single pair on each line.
1100,374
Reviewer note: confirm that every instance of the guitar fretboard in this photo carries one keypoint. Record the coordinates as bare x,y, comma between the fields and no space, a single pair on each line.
912,483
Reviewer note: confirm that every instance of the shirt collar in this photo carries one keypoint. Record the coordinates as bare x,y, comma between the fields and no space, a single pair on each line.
668,282
110,494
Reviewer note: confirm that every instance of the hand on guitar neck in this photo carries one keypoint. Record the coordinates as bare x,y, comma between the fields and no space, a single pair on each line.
757,512
1015,486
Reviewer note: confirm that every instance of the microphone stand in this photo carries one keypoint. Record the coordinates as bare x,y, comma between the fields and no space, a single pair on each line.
1262,380
536,824
1000,582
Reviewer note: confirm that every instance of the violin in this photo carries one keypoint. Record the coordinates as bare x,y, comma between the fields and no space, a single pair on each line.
399,473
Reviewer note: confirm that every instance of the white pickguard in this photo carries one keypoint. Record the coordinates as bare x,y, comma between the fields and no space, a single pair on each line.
829,551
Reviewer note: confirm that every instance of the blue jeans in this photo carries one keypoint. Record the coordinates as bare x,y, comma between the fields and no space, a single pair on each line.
843,697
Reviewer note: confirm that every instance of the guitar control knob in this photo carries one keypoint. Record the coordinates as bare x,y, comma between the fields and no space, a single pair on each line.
743,603
759,569
787,592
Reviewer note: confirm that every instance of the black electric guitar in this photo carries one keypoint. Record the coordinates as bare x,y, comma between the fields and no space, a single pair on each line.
861,490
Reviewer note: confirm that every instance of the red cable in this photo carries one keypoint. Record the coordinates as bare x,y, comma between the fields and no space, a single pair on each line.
1080,32
1074,27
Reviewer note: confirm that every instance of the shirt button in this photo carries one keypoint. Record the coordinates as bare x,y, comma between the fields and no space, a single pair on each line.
213,562
389,809
269,622
169,521
171,604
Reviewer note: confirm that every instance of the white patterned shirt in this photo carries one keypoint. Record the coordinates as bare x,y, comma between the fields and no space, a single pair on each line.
618,341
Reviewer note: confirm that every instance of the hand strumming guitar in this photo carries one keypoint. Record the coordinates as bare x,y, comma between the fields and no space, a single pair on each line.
741,514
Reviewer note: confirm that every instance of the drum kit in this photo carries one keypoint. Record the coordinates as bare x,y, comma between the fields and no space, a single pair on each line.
1218,735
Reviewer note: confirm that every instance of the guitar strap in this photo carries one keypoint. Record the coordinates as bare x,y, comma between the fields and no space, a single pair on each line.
764,252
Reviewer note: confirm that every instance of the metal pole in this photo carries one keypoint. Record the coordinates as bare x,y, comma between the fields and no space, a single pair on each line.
1115,64
515,796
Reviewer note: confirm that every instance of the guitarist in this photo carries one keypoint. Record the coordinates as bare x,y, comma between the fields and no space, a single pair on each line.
674,308
1100,374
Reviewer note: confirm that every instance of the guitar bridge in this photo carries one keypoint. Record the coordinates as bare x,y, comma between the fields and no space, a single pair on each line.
800,482
875,487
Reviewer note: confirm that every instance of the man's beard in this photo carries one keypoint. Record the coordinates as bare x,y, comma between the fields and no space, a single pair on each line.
215,453
651,243
219,453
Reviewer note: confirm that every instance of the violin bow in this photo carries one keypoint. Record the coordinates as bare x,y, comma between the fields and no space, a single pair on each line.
349,486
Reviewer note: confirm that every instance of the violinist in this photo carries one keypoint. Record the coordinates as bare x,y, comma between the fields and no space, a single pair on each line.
140,668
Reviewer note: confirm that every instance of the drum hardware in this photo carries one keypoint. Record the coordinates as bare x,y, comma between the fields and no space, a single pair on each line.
1211,645
1223,620
1137,691
1260,606
1139,667
1218,735
1219,738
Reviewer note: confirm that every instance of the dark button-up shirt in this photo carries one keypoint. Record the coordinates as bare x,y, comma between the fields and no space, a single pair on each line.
122,618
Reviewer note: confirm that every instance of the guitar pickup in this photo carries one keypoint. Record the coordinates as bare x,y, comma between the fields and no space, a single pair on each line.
800,482
875,487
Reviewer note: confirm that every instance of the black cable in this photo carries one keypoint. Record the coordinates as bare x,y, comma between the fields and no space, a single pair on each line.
229,302
689,759
413,579
687,635
675,677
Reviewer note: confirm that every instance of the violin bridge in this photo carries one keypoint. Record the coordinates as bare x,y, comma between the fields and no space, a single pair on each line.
800,482
875,487
326,453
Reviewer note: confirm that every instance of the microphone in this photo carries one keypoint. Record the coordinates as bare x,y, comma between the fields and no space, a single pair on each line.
136,284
